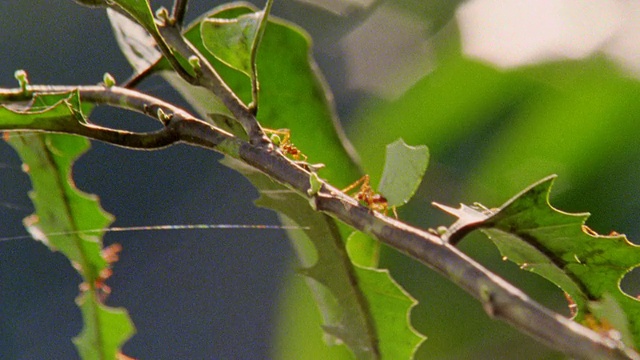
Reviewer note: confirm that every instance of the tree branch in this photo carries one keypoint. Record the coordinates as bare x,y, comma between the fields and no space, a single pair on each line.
172,117
499,298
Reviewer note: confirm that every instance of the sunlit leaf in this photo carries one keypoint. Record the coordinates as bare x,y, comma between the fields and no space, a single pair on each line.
105,329
404,168
387,299
231,40
64,210
559,247
141,11
52,112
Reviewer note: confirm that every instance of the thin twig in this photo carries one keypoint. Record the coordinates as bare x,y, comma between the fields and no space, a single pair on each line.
178,12
172,117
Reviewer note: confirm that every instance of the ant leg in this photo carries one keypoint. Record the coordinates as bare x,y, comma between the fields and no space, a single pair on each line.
363,181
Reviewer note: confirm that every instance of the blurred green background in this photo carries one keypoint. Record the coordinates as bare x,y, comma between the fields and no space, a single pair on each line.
397,69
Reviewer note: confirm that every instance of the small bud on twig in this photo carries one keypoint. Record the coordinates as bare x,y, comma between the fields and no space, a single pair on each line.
108,80
23,81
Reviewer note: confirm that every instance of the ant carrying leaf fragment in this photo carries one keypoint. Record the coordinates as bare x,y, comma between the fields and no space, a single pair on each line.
373,200
284,144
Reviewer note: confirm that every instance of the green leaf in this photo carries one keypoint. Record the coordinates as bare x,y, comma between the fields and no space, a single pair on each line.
559,247
141,11
232,40
363,250
64,210
105,329
60,207
321,252
404,168
387,299
235,42
51,112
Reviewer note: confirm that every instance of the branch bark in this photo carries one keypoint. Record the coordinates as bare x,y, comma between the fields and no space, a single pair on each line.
500,299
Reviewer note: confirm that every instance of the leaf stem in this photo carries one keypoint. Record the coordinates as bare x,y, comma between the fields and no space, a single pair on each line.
178,12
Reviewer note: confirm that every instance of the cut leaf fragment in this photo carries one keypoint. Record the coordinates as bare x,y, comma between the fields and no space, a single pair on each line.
404,168
559,247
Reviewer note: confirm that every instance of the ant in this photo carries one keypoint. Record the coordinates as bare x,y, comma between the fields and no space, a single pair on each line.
374,201
285,145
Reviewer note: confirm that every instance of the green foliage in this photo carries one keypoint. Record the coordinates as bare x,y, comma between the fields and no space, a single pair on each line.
490,132
559,247
50,112
361,306
291,91
105,329
235,42
141,11
231,41
63,209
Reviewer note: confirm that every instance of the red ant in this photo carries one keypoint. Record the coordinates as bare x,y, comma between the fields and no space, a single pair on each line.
374,201
285,145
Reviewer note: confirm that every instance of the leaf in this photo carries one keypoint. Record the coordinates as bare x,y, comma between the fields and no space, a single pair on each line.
387,299
404,168
235,42
141,11
62,208
135,42
105,328
51,112
559,247
232,40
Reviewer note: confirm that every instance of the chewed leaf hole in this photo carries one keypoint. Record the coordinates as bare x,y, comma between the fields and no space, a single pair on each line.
630,283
